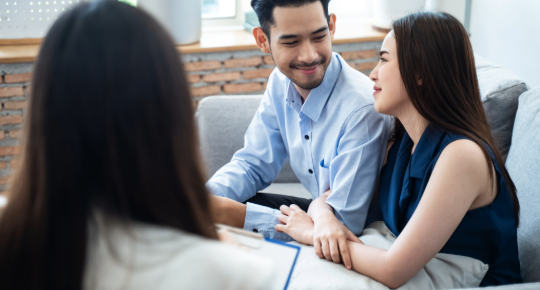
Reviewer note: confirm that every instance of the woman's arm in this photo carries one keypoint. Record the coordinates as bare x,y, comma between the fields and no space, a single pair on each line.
331,245
459,178
319,206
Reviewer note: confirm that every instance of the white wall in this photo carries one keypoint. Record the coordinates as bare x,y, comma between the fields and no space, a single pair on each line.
507,32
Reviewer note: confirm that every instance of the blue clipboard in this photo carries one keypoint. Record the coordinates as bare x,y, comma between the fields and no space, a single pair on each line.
295,258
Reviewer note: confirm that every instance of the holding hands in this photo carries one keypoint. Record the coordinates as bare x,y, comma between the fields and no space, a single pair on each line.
320,228
296,223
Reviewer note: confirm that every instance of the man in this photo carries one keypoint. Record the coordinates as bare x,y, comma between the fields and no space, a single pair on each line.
317,111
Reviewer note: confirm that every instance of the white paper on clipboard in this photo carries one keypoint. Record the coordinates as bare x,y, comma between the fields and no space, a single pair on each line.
281,253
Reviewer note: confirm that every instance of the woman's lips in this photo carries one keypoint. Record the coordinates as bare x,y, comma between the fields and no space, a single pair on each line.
308,71
377,90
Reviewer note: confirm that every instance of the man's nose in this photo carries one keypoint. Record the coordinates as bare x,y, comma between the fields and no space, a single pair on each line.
308,53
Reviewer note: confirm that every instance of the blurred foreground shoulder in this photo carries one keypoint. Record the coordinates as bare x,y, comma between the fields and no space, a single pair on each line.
158,258
234,268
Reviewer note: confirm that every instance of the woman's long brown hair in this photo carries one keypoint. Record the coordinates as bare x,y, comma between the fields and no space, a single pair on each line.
109,127
435,48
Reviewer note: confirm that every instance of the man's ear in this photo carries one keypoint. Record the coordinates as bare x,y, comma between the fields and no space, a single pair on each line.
262,40
332,24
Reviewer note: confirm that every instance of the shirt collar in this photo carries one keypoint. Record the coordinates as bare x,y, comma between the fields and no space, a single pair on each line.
294,99
318,97
425,151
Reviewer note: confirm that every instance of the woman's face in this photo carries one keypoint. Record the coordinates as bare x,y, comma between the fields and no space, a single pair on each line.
390,94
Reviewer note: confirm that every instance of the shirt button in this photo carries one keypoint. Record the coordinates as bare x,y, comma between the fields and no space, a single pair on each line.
310,171
255,231
307,137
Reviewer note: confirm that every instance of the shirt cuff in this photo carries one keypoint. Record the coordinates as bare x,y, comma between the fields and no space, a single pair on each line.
263,220
214,189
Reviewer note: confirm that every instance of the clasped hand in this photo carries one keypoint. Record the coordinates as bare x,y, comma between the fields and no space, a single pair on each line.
327,234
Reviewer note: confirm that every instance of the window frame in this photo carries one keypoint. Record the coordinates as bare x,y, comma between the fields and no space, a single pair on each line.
237,22
226,23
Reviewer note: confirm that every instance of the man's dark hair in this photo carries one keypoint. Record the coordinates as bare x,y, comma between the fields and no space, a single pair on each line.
265,10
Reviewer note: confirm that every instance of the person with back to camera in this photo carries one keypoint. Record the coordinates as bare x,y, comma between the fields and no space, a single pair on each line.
444,187
318,112
110,192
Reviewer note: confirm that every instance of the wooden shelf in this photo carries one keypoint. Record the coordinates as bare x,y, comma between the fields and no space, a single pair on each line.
26,50
18,53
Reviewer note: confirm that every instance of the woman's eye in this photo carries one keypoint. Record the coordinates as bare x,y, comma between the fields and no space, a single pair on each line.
383,60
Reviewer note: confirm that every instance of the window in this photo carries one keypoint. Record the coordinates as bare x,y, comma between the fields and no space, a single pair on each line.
230,14
351,11
218,9
30,18
224,14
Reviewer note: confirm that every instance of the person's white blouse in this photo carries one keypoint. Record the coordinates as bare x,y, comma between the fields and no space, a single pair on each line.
157,258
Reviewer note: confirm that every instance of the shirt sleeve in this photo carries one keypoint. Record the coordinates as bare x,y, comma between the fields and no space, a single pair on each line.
263,220
255,166
355,170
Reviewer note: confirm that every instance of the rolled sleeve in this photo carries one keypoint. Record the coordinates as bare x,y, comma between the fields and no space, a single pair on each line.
255,166
355,170
262,219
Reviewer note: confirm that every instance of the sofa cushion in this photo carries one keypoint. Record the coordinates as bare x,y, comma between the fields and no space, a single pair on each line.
524,167
500,90
222,122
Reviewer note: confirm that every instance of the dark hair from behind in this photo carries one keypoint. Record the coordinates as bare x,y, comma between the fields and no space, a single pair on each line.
109,128
435,48
265,10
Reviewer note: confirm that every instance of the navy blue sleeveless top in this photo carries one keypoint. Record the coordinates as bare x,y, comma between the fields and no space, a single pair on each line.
488,234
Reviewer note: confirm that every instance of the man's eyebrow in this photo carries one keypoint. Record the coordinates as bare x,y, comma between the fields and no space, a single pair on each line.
289,36
319,30
383,52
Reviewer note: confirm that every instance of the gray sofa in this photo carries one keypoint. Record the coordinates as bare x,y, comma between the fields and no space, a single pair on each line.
223,120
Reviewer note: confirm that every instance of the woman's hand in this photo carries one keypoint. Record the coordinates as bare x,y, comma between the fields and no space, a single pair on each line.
329,234
296,223
330,239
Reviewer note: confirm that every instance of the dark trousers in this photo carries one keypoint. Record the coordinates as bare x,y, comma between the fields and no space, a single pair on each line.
276,200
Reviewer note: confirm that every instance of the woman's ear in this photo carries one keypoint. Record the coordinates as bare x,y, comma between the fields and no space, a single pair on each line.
261,39
419,81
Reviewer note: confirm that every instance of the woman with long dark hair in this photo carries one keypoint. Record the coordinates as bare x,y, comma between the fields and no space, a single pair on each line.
444,187
110,193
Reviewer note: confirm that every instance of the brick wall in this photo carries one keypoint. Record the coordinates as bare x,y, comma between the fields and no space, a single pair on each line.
221,73
247,72
14,83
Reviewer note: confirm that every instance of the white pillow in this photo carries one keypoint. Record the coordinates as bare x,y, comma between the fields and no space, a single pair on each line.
445,271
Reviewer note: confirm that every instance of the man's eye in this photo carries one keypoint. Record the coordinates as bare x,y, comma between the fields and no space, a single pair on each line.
290,43
320,37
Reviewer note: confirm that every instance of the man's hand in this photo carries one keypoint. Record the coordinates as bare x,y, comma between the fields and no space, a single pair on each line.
330,239
227,211
296,223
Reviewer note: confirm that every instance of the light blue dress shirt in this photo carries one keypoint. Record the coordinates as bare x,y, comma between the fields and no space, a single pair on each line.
335,140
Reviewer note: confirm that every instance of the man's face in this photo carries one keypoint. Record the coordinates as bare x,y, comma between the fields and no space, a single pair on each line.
301,43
